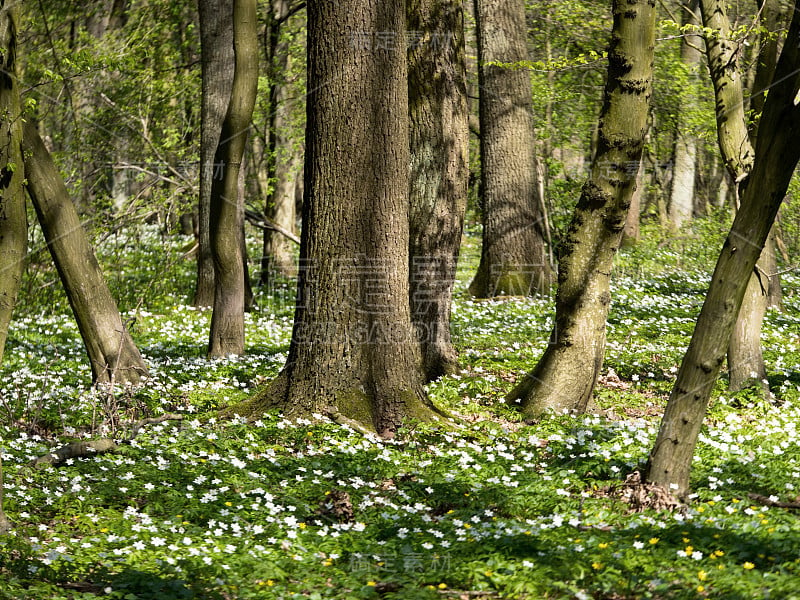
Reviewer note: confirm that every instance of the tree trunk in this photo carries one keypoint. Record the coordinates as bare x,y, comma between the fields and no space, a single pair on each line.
216,48
776,157
513,257
681,203
745,360
438,116
734,143
227,204
353,350
13,219
282,159
112,353
565,376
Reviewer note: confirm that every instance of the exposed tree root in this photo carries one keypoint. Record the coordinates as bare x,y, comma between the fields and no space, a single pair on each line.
641,496
96,447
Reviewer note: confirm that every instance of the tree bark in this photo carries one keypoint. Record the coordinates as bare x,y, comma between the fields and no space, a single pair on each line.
283,161
216,49
776,157
227,204
513,258
112,353
682,195
566,374
745,357
353,351
438,115
13,219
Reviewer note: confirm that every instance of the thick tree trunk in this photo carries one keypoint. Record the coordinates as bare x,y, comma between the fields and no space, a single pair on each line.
13,219
776,157
513,257
227,204
216,48
438,116
112,353
353,350
682,195
565,376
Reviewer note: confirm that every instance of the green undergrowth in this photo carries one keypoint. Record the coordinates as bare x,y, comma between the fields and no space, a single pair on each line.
493,507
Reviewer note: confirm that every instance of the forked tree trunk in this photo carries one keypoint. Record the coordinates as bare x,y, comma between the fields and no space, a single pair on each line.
438,115
227,204
513,257
216,49
112,353
776,156
353,350
13,219
565,376
682,194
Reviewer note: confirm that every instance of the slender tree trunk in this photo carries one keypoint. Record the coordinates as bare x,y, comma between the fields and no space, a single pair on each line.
776,157
565,376
745,358
227,207
682,194
438,116
721,48
513,257
216,48
283,161
112,353
13,219
353,350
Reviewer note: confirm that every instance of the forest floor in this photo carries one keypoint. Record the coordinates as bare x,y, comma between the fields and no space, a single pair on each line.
489,508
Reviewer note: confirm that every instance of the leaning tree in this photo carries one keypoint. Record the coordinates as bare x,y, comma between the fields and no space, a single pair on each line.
565,376
776,155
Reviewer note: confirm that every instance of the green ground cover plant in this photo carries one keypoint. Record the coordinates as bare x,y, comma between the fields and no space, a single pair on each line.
494,507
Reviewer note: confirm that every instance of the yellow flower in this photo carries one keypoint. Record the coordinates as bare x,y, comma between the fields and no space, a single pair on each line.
371,584
442,586
701,509
602,545
748,565
270,582
702,575
229,504
686,540
711,503
654,540
700,589
488,573
689,550
597,566
718,552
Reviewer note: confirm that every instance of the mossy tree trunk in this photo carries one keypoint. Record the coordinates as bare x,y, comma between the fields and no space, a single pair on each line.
112,353
682,196
438,115
565,376
227,203
13,220
353,348
776,156
513,257
216,53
